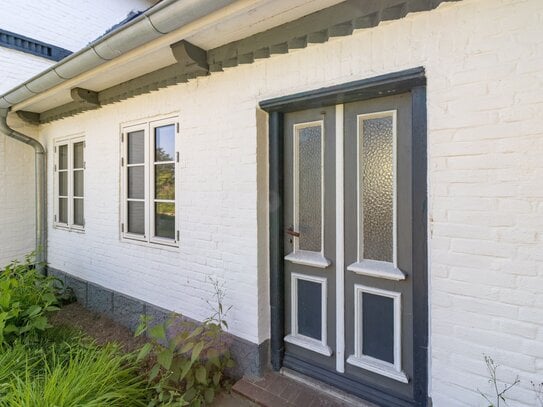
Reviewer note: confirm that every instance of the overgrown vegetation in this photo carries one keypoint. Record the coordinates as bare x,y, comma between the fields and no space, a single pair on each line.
26,297
42,366
65,369
189,359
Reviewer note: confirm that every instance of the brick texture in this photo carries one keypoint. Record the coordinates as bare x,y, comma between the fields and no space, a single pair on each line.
483,60
70,25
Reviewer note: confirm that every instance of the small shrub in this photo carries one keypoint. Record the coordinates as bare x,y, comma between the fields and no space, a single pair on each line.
26,297
498,395
189,365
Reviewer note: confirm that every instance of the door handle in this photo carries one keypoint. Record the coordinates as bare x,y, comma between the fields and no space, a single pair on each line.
292,232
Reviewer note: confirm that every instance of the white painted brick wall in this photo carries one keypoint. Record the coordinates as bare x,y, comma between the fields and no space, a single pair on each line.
16,66
484,60
17,199
68,24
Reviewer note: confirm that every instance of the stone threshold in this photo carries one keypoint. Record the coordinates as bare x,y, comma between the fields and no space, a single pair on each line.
291,389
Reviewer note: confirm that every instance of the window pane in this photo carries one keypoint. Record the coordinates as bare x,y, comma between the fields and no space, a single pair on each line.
63,210
165,181
78,183
78,155
309,188
136,147
78,212
377,189
136,217
165,143
309,309
378,327
63,157
63,183
136,182
165,220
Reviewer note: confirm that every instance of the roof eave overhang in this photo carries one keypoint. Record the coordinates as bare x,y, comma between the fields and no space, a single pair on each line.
191,61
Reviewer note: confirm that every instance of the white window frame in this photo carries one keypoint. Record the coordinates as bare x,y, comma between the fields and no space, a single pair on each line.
390,370
295,338
68,141
375,268
297,256
148,128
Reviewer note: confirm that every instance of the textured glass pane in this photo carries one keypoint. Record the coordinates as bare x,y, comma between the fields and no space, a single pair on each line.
165,143
136,217
165,220
63,210
309,188
165,181
78,155
136,182
377,187
78,183
136,147
62,157
78,212
378,327
63,183
310,309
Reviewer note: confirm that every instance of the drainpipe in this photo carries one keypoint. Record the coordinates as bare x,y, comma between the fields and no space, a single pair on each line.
40,182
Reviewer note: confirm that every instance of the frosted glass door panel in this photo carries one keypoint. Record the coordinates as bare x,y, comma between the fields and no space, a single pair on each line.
376,155
309,139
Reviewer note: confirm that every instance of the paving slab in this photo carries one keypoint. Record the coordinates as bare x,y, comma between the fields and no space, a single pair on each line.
288,390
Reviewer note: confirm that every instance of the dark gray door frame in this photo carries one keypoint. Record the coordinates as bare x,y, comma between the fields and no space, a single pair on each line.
414,82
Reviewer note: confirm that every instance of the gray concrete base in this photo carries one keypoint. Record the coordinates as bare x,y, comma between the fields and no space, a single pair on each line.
251,359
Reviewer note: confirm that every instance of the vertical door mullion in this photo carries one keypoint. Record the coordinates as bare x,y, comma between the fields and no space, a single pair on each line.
340,269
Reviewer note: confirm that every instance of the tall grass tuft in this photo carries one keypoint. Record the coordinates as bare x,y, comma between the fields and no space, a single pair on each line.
82,375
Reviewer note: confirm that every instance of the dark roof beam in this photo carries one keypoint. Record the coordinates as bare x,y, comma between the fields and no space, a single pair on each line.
29,117
191,59
85,96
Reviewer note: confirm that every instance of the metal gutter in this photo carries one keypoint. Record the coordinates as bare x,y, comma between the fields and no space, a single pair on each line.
40,181
165,17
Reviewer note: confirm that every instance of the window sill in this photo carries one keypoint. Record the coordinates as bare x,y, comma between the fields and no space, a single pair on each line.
153,244
307,258
309,343
379,269
68,228
377,366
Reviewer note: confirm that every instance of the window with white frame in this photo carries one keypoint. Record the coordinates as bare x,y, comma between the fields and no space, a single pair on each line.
149,161
69,188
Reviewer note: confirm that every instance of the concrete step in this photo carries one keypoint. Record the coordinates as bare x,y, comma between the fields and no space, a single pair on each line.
290,389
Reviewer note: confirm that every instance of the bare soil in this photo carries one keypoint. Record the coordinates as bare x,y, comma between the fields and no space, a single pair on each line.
104,330
101,328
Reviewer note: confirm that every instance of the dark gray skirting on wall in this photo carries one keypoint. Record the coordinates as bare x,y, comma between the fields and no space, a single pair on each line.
251,359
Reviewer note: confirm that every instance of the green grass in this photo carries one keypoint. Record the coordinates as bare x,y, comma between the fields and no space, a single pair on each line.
65,369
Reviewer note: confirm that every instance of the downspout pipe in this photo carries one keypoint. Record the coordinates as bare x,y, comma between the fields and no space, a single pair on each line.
40,185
